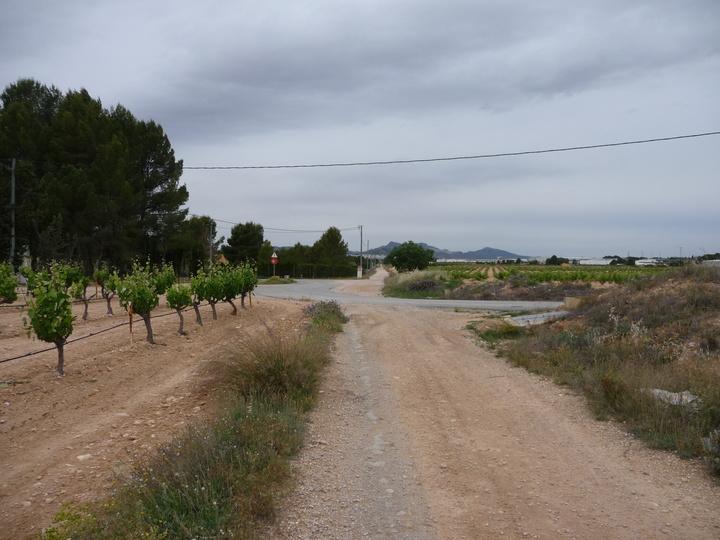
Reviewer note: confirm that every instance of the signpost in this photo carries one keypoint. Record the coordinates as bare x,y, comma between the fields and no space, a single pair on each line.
274,261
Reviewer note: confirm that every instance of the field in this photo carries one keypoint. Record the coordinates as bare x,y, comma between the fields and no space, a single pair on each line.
63,439
531,274
418,427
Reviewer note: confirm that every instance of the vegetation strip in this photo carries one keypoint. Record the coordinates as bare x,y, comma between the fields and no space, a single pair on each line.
220,479
645,353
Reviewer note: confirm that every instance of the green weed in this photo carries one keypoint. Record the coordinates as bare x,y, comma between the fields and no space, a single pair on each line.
619,345
219,478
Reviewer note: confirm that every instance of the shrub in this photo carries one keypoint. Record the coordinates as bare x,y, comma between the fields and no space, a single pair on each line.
425,285
624,342
326,315
50,313
290,367
218,478
419,284
711,445
8,284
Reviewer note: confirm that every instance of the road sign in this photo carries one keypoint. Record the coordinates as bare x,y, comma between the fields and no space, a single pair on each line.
274,258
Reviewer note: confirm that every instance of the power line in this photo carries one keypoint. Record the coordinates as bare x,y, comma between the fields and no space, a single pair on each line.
277,231
455,158
406,161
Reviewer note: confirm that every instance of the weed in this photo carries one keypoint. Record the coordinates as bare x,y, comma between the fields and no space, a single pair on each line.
219,478
494,336
289,366
621,343
327,315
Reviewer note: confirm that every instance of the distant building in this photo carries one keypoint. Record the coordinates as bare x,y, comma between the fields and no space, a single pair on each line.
593,262
646,262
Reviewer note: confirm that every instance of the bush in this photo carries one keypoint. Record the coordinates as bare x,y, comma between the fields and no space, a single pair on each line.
419,284
425,285
8,284
272,365
219,478
326,315
624,342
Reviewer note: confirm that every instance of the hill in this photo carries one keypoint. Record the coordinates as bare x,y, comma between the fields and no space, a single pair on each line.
486,253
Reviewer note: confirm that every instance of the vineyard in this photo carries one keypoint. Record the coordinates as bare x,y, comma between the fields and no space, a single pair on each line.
545,274
63,438
511,282
51,293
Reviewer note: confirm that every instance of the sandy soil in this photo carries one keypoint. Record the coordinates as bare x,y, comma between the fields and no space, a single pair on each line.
61,439
423,434
419,433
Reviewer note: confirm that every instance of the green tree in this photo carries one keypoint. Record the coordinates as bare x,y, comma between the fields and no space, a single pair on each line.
190,247
410,256
266,251
208,287
159,193
78,289
295,255
26,111
556,261
331,249
248,282
109,284
199,286
93,185
244,243
8,284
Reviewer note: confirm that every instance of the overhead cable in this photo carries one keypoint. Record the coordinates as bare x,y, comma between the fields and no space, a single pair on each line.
278,231
455,158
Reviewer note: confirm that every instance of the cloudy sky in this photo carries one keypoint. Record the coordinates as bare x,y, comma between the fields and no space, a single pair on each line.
248,83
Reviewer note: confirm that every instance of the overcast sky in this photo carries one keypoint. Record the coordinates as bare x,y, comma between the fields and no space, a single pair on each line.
263,83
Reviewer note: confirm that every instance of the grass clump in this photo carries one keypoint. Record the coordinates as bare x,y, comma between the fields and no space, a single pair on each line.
420,284
624,347
219,478
492,337
281,366
326,315
277,280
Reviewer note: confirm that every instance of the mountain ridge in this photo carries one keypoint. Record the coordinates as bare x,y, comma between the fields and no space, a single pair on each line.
486,253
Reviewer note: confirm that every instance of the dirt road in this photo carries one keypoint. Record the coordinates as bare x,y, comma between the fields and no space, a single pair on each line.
423,434
419,434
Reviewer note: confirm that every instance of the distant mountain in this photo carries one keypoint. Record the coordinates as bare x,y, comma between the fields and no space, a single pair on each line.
486,253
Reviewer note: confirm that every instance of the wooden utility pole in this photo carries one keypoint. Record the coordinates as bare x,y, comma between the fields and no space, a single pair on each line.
360,266
12,215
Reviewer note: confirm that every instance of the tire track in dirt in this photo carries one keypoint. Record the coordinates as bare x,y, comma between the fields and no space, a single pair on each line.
501,451
484,449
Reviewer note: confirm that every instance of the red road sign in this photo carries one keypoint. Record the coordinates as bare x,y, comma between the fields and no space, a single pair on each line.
274,258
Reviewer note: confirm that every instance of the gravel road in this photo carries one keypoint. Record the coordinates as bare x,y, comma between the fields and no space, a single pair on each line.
422,434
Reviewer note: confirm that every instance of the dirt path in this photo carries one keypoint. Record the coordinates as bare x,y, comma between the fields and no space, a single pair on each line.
422,434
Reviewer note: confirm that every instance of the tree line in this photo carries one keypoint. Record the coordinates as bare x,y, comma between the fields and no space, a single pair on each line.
98,187
327,257
92,184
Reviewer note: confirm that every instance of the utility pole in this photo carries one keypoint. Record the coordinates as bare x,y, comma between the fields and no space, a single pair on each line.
12,215
210,242
360,266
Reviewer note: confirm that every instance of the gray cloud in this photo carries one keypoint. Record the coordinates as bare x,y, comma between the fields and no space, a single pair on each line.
258,83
